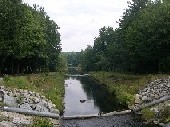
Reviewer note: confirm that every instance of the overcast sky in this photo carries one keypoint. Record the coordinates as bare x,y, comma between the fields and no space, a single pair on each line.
80,20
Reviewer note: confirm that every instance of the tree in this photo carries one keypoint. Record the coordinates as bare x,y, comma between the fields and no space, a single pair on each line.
29,40
140,44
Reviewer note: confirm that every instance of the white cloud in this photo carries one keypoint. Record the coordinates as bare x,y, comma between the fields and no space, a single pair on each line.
80,20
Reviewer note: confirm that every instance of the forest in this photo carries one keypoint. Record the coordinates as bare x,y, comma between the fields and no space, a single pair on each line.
141,44
72,58
29,39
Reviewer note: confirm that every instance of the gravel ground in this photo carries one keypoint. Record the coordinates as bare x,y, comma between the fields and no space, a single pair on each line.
110,121
12,119
9,119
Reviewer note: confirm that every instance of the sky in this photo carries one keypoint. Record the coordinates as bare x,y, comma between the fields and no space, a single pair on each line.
80,20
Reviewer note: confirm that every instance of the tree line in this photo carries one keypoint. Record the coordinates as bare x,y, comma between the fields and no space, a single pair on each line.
141,44
72,58
29,39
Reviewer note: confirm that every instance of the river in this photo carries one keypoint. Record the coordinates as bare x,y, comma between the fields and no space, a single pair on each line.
84,96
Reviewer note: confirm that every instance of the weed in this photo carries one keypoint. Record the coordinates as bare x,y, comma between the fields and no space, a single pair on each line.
148,115
7,78
41,122
165,114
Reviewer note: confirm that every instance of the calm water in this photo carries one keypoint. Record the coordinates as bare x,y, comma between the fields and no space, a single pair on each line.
84,97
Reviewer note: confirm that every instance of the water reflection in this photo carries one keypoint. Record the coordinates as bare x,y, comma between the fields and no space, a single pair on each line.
102,98
84,97
74,93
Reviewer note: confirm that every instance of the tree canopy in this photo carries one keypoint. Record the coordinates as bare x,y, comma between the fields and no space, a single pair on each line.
141,44
29,40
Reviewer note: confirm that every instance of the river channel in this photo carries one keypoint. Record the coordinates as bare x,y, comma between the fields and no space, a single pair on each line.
84,96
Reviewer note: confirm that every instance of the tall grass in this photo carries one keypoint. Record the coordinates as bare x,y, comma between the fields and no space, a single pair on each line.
124,86
41,122
50,85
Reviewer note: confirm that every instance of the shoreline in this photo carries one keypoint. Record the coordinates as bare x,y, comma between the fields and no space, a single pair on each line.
104,79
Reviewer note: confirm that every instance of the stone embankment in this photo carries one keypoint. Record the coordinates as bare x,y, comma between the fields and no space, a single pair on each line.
156,95
23,101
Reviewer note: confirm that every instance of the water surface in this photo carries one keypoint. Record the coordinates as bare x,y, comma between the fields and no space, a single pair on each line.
83,96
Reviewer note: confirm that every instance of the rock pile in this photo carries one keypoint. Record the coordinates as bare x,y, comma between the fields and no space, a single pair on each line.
155,90
11,119
25,99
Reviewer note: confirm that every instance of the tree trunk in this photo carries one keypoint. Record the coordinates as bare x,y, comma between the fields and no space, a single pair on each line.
159,66
0,72
18,70
12,67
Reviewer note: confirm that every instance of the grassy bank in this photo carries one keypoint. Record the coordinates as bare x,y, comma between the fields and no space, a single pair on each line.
51,85
124,86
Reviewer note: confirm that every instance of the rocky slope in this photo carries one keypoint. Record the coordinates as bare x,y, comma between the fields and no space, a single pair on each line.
26,100
155,91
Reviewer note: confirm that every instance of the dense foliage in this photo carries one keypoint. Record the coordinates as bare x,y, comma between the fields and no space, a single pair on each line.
72,58
141,44
29,40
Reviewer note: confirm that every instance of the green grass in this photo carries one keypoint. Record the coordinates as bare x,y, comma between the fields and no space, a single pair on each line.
165,114
41,122
148,115
124,86
4,118
51,85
